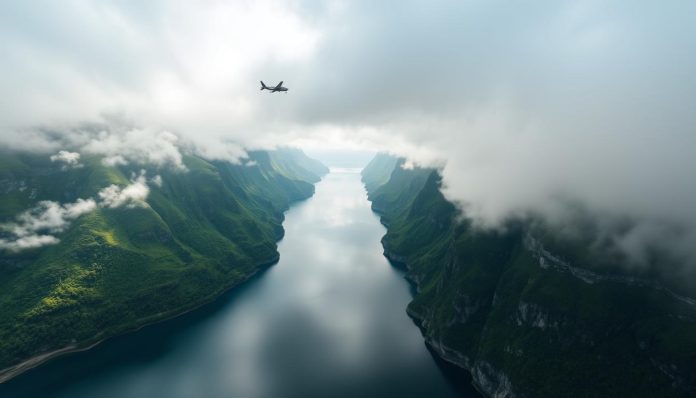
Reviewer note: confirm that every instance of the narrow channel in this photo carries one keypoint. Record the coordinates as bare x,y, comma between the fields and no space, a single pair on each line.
328,320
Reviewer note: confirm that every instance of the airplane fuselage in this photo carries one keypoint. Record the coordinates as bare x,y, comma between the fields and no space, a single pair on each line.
273,89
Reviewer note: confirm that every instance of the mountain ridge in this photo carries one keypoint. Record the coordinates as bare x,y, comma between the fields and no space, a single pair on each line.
133,260
522,310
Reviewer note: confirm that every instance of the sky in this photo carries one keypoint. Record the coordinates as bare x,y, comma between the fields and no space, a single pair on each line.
552,108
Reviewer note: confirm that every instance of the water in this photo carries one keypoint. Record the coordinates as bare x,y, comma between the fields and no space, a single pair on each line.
327,321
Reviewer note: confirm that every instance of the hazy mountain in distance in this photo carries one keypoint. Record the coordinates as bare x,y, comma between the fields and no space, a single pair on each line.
353,159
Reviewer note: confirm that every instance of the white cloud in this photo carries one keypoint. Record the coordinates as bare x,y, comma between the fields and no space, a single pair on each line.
189,68
78,208
27,242
71,160
37,226
526,105
132,195
529,107
30,228
157,180
140,146
51,216
114,160
217,149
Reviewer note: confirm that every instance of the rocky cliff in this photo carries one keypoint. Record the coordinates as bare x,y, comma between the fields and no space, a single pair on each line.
527,313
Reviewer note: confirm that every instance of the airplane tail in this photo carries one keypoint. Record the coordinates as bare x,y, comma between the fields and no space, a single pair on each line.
263,86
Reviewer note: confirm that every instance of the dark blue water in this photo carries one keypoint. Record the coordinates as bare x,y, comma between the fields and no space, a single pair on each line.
328,320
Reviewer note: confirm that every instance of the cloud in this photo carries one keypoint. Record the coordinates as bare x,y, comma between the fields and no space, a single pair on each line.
132,195
27,242
187,68
157,181
527,106
140,146
50,216
114,160
37,226
71,160
32,227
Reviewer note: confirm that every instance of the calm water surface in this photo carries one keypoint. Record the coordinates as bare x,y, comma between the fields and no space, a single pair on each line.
327,321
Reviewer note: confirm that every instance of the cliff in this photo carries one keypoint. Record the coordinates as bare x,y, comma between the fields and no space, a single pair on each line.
527,313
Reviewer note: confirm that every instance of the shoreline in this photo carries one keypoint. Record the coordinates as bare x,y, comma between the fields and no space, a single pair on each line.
452,357
10,372
13,371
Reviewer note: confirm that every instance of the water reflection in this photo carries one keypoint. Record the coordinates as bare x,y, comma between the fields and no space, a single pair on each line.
327,320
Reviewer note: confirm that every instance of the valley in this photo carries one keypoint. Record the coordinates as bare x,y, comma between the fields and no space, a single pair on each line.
517,311
327,320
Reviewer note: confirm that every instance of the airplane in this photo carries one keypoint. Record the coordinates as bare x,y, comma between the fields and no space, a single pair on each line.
279,87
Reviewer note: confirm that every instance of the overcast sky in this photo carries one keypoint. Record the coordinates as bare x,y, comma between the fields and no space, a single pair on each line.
528,105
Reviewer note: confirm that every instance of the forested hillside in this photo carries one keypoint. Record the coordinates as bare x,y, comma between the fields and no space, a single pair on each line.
530,312
90,248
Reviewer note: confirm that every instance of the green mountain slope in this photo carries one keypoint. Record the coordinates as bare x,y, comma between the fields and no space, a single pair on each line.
379,171
528,313
200,232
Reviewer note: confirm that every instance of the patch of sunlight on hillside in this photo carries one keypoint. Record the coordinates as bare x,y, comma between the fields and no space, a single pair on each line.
108,237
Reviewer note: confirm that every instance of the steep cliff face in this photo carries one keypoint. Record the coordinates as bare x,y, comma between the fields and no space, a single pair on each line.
91,250
526,313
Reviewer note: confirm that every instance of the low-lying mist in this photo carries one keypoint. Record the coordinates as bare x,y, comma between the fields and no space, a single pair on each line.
528,109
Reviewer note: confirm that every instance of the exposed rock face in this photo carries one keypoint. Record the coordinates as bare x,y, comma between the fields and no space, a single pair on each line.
493,382
526,316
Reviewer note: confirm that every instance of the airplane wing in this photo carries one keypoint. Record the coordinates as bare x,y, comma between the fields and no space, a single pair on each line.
279,85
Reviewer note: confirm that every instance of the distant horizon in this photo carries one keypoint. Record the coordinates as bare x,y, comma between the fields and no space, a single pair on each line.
342,158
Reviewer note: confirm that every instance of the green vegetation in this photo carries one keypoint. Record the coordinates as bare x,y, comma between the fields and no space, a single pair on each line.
487,302
201,232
